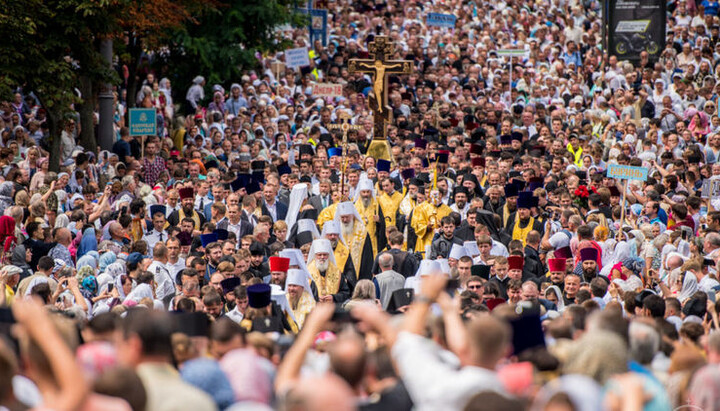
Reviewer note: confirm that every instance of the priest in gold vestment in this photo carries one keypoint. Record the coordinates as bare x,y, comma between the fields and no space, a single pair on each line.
330,282
357,238
299,295
372,214
426,219
389,200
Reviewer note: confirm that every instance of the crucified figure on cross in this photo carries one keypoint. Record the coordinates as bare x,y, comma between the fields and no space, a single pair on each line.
379,67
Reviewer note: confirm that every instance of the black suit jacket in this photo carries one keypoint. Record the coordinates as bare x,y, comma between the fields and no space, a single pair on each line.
281,209
404,262
316,202
533,264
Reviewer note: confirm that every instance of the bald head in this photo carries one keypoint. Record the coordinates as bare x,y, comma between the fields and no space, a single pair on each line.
674,261
347,359
63,236
328,392
115,229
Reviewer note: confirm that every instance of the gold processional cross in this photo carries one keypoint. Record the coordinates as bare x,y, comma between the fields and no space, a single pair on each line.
381,50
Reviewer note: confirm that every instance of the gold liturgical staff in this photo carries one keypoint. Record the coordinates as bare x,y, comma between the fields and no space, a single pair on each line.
344,125
379,67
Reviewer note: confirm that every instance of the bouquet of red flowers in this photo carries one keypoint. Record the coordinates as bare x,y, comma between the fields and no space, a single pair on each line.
581,197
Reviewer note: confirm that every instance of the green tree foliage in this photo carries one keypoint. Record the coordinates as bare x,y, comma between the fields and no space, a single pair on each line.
225,40
48,45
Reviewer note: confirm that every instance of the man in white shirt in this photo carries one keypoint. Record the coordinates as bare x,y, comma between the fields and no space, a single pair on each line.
175,263
165,290
433,383
203,196
158,233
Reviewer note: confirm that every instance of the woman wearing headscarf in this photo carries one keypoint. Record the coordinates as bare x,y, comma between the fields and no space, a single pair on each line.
38,179
106,259
218,103
7,236
165,88
87,243
115,269
7,190
587,162
689,286
20,259
699,123
195,95
86,261
554,295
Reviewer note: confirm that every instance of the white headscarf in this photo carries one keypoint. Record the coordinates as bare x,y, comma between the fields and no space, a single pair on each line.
140,292
298,194
689,287
560,304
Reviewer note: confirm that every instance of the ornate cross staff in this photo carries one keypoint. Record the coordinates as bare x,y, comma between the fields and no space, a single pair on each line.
379,67
344,126
436,113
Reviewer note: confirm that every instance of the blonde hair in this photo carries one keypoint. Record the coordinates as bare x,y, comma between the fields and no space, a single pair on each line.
601,233
364,290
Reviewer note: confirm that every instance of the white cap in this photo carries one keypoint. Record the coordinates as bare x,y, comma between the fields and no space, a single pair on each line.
321,245
364,184
297,259
298,277
346,208
444,266
457,252
307,224
278,295
332,227
428,267
472,248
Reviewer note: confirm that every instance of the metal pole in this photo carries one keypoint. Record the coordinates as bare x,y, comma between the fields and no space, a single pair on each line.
106,133
510,83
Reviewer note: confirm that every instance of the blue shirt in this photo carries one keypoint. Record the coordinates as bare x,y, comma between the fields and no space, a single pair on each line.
711,7
572,58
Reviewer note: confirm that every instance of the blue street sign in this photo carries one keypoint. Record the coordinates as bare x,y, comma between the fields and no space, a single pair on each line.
143,122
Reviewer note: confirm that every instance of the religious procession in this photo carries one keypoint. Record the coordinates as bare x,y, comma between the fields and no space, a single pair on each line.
456,205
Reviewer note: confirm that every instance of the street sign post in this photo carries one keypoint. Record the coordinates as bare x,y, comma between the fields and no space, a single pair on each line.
626,173
143,122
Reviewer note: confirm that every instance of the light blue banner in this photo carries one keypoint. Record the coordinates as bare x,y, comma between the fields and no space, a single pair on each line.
143,122
441,20
627,172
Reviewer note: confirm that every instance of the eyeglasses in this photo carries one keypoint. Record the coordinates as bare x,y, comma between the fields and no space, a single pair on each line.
474,287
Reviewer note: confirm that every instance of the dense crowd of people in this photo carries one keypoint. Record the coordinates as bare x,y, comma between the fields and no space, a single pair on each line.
245,258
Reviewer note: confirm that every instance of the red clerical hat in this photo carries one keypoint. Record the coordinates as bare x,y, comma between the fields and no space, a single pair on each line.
279,264
516,262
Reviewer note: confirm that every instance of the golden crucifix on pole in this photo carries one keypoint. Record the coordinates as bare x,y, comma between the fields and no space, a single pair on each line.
344,126
379,67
